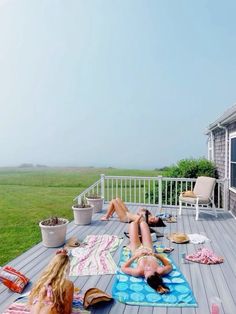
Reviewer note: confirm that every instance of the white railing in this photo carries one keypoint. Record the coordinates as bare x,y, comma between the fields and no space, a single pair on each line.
153,191
96,188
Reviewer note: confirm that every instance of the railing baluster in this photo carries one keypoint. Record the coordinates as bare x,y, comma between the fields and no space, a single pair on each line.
125,190
176,192
144,187
130,199
149,201
153,191
121,194
166,193
112,185
139,191
135,191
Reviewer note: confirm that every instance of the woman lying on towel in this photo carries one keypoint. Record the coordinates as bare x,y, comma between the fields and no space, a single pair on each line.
53,293
148,262
118,206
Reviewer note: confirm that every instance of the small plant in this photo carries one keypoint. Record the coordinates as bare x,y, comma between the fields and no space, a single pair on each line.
53,221
93,196
82,203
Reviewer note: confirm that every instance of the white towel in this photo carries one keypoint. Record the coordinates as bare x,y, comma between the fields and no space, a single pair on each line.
196,238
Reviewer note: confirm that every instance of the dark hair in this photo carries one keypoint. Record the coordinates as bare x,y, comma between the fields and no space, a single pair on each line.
155,281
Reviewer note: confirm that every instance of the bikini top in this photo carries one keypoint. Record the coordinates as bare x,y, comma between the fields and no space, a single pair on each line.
146,256
48,298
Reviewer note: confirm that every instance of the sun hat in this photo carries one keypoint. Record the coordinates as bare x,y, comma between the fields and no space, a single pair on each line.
178,237
72,242
94,295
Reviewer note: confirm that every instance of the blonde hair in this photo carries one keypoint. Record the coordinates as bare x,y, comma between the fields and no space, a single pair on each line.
55,276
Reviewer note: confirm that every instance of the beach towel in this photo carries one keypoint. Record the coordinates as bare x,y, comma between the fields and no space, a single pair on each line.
135,291
20,305
93,257
204,256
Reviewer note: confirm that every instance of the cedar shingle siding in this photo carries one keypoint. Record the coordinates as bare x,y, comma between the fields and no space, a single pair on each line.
219,158
219,152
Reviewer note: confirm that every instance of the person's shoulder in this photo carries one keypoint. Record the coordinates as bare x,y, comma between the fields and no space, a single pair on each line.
69,284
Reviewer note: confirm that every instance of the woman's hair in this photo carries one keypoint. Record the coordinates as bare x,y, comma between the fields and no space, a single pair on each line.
156,282
54,275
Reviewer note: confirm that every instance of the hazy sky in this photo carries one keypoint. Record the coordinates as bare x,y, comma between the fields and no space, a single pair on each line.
123,83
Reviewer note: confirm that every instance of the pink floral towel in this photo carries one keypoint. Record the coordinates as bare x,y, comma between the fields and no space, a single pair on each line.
94,257
204,256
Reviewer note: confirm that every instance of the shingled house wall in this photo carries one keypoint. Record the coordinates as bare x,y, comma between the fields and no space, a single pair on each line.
219,158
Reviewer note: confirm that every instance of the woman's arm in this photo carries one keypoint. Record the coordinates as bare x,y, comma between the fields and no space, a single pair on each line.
129,270
69,289
167,268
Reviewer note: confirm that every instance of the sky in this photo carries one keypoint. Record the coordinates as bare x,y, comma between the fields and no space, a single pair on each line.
121,83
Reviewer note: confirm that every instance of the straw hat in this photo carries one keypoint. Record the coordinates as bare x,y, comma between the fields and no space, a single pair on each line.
178,237
72,243
94,295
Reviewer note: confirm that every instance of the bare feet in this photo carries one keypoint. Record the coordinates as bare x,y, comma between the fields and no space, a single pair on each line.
104,218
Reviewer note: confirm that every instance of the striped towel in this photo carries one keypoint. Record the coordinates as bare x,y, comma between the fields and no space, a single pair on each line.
20,306
93,257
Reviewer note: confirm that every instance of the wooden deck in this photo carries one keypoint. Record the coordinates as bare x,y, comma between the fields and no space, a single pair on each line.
206,281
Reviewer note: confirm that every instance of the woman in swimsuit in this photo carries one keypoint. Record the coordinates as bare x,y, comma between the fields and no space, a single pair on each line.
118,206
53,293
148,262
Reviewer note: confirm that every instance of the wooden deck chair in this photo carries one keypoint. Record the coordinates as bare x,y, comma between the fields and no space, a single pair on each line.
202,194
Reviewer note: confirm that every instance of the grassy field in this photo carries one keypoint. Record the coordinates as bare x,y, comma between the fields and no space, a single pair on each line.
30,195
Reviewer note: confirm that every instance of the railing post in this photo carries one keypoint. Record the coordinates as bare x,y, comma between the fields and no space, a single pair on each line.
103,185
159,192
226,195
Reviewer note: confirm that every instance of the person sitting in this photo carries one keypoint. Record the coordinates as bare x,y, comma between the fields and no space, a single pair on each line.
148,262
118,206
53,293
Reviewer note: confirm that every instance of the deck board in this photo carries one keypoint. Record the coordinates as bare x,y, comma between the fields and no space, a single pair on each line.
206,281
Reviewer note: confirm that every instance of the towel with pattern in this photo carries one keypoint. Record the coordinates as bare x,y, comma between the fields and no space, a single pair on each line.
135,291
93,257
204,256
20,306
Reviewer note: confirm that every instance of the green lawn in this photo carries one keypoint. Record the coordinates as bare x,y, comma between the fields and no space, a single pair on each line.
28,196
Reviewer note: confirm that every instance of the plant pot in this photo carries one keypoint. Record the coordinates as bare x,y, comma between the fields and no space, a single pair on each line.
82,216
54,235
96,202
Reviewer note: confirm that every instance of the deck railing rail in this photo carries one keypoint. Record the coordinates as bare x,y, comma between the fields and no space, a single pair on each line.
153,191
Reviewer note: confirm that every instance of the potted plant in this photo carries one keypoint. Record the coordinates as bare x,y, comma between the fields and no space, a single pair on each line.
82,212
96,201
53,231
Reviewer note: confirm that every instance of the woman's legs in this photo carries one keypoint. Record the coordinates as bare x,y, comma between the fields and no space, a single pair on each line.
116,205
134,236
146,235
128,216
110,210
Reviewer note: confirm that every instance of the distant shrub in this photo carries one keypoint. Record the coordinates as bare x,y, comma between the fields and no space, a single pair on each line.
192,168
185,168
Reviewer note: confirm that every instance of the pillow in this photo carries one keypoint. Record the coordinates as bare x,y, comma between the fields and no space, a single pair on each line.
188,194
13,279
